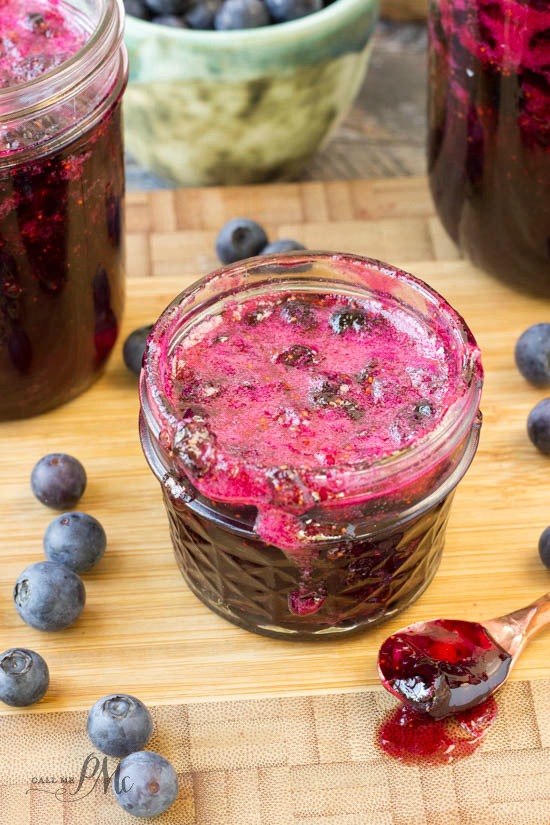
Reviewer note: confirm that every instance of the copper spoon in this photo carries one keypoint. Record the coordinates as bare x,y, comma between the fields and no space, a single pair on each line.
444,666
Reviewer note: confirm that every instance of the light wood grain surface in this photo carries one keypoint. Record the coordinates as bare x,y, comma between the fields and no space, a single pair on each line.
142,631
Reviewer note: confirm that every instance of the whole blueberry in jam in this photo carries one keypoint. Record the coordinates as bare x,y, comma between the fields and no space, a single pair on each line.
342,320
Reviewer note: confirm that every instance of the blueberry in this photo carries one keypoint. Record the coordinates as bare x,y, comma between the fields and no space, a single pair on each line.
145,784
24,677
137,8
283,10
297,356
76,540
119,724
49,596
162,7
240,237
423,410
58,480
544,547
242,14
283,245
170,20
344,319
298,312
538,426
134,348
201,15
532,354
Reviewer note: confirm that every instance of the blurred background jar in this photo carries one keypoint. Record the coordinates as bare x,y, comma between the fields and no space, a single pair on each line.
63,69
489,133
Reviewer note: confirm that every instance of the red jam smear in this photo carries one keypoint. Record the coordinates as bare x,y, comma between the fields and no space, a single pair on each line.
412,738
273,390
489,141
61,274
35,36
441,667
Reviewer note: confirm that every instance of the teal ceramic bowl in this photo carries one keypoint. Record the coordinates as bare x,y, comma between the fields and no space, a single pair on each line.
231,107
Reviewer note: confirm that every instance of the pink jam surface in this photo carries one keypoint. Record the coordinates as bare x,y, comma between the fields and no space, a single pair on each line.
35,36
276,392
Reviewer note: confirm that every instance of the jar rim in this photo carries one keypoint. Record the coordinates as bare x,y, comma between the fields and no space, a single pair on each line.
353,480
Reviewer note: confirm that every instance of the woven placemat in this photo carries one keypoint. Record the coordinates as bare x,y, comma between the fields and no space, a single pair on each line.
297,760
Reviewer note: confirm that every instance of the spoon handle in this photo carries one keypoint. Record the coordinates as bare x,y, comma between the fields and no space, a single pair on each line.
513,631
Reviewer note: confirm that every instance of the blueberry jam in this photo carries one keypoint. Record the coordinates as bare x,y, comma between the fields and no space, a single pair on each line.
285,426
443,666
489,144
413,738
61,196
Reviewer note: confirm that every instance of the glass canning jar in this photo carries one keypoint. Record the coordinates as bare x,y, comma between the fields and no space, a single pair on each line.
489,133
61,211
307,552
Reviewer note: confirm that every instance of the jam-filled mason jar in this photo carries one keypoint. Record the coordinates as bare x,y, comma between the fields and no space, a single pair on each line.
63,70
489,133
308,417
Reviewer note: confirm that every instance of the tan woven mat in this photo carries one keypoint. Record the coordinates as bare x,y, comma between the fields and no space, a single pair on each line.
299,760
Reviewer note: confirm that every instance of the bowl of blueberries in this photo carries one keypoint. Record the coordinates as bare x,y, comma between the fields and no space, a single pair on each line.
240,91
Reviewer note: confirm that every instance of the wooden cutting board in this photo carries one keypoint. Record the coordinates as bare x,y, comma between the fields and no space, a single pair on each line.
142,631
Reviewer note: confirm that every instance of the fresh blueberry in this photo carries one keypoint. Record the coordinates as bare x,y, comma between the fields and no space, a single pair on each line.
76,540
242,14
145,784
134,347
49,596
344,319
201,15
119,724
137,8
538,426
58,480
283,10
240,237
161,7
283,245
171,20
544,547
532,354
24,677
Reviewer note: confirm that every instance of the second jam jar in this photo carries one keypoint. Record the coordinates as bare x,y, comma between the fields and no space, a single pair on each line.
63,70
489,133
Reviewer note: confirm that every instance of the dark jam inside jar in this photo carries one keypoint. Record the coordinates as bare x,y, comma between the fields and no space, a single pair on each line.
489,139
61,272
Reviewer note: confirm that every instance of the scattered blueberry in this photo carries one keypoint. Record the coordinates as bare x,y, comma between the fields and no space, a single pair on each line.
170,20
119,724
532,354
145,784
240,237
538,426
242,14
76,540
134,347
137,8
201,15
283,10
344,319
49,596
544,547
24,677
166,7
283,245
58,480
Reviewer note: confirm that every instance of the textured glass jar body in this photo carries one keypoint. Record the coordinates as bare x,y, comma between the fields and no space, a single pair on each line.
61,222
489,133
364,554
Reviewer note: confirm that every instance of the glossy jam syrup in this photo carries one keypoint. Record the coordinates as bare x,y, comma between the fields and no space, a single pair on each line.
489,133
61,267
418,739
442,666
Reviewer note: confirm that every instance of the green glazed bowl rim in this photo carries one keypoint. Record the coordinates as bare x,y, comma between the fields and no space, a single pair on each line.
318,23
